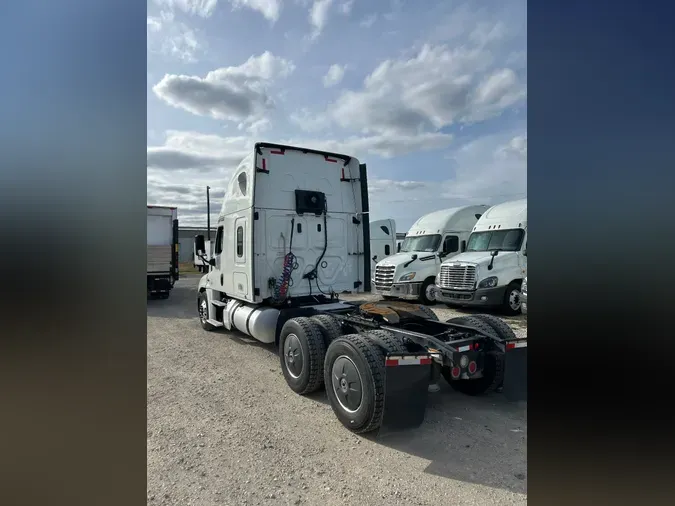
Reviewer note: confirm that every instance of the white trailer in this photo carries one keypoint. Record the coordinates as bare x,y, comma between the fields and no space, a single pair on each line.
293,234
162,250
491,271
410,273
382,241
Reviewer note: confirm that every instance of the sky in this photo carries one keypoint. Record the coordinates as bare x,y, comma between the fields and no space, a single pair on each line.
430,94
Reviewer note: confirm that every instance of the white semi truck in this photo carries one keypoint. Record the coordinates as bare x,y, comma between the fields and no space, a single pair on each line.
410,273
382,241
162,250
491,270
293,233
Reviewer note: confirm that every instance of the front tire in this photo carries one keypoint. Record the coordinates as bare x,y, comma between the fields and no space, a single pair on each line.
301,351
203,311
512,302
425,292
354,378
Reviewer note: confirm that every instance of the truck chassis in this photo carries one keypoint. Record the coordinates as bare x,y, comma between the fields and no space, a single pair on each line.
377,360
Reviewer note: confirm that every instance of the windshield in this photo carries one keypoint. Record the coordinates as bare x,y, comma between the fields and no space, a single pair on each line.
502,240
426,243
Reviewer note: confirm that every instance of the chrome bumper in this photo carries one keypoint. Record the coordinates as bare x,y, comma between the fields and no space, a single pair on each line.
405,291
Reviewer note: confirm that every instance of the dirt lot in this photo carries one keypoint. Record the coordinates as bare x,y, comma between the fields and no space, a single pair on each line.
223,428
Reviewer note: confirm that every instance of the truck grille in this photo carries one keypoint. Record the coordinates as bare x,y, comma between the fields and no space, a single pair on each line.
457,277
384,276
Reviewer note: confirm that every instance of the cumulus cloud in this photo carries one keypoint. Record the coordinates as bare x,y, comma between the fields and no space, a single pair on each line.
174,39
436,88
196,152
318,16
203,8
240,94
334,75
270,9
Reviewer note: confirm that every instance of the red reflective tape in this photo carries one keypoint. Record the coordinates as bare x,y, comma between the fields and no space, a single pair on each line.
330,159
513,345
390,363
510,346
343,172
264,164
425,361
277,152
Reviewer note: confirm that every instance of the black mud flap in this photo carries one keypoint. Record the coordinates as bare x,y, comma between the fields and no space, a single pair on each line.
515,371
405,392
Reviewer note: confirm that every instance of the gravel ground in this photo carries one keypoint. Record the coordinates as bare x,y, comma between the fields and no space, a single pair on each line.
224,428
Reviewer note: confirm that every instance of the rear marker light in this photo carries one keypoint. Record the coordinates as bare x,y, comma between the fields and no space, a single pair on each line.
330,159
264,165
472,367
276,152
455,372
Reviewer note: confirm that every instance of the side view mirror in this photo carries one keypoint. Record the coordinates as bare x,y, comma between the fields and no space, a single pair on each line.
443,254
200,246
494,253
212,262
374,258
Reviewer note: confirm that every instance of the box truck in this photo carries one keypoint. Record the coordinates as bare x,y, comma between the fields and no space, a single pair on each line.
162,250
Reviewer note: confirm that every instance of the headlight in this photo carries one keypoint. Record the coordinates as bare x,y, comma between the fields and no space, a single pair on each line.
407,277
490,282
436,279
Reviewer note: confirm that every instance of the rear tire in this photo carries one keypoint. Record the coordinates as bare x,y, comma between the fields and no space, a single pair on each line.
425,292
354,378
501,328
512,302
429,312
387,341
330,327
203,311
302,351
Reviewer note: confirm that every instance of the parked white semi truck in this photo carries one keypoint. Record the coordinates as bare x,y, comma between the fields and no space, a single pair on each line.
410,273
490,272
162,250
382,241
293,233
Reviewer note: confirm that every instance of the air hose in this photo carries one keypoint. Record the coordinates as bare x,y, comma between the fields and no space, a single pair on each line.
289,265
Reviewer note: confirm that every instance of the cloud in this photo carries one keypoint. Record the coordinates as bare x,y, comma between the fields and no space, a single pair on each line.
334,75
318,16
308,122
270,9
368,21
174,39
516,147
436,88
238,94
346,7
203,8
196,152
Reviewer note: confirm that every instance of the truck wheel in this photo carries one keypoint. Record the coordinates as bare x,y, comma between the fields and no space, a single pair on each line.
475,322
354,377
302,351
387,341
330,327
501,328
493,376
425,292
511,305
203,310
430,313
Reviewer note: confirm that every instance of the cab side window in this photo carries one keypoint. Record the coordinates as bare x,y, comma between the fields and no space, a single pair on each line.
218,249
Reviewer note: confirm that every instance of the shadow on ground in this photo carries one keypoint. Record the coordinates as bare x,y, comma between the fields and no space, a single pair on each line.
478,440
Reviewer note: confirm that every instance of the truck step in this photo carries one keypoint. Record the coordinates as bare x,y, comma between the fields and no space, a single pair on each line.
219,303
215,323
